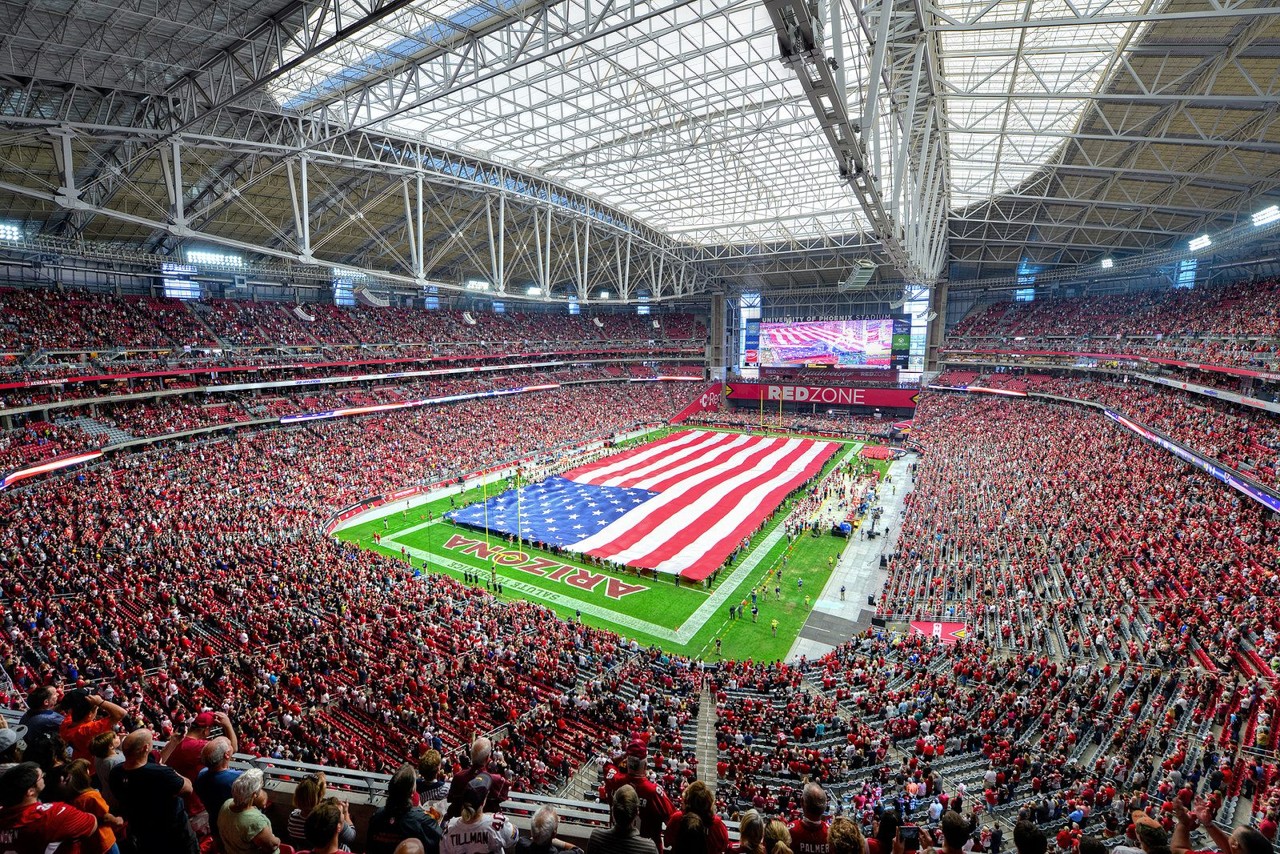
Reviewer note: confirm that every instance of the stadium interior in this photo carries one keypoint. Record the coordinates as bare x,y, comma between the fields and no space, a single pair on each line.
768,426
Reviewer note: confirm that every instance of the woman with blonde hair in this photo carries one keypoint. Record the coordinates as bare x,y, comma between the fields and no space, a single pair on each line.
698,800
307,795
777,838
845,837
750,833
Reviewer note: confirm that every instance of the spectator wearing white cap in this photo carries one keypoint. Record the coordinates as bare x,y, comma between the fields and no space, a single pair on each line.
13,744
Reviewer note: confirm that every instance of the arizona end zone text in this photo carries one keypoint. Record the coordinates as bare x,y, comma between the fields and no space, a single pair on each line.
583,579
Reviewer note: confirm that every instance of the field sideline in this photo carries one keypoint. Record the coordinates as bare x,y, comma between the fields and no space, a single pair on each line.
684,620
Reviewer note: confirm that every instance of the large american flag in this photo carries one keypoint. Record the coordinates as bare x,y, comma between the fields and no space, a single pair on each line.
680,505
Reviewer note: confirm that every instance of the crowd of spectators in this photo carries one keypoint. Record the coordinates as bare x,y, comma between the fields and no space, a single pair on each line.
1120,645
1243,438
42,319
1235,324
95,425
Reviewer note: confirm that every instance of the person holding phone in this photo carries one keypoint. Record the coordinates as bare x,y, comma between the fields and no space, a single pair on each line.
954,836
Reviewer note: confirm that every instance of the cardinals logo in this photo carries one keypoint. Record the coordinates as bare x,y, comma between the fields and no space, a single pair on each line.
948,633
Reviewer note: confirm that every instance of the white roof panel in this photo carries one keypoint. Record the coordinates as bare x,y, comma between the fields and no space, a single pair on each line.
690,123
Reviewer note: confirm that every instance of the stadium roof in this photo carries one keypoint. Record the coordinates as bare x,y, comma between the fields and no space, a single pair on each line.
996,134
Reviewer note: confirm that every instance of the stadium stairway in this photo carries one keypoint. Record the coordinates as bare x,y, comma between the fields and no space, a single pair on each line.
97,428
706,748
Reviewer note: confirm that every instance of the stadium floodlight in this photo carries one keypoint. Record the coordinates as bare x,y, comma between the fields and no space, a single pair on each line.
11,231
604,295
1201,242
208,258
1266,216
1107,263
476,285
533,291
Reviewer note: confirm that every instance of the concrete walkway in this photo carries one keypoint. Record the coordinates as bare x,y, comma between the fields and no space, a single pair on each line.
833,620
706,748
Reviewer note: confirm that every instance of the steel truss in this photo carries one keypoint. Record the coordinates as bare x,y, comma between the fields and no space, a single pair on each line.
409,213
892,151
1146,134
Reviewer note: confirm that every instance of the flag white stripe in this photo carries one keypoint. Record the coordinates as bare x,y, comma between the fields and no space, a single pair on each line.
707,500
672,466
657,449
727,522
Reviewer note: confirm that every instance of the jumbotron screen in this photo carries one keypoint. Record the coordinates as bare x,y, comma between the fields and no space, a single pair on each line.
878,342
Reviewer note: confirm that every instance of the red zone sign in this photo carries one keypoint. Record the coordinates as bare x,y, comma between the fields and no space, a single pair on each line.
574,576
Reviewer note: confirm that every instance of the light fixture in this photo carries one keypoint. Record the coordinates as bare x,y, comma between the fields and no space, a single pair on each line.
1107,263
206,258
604,295
533,291
10,231
476,285
1201,242
1266,216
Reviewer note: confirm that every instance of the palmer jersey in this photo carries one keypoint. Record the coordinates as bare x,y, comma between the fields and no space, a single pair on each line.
808,837
492,834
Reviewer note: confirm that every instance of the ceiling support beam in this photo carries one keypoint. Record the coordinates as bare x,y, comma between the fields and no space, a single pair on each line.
893,155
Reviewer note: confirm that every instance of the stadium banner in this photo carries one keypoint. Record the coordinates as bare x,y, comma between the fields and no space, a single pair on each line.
1221,394
222,369
1129,357
1232,478
898,398
978,389
879,376
62,462
709,399
751,348
948,633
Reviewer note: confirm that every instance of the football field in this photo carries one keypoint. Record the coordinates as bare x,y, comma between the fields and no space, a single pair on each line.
684,619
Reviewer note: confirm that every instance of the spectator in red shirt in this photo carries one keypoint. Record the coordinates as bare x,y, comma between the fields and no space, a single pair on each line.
30,827
89,716
809,832
184,754
655,806
481,750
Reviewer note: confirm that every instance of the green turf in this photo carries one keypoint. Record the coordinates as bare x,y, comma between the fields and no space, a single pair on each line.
660,604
